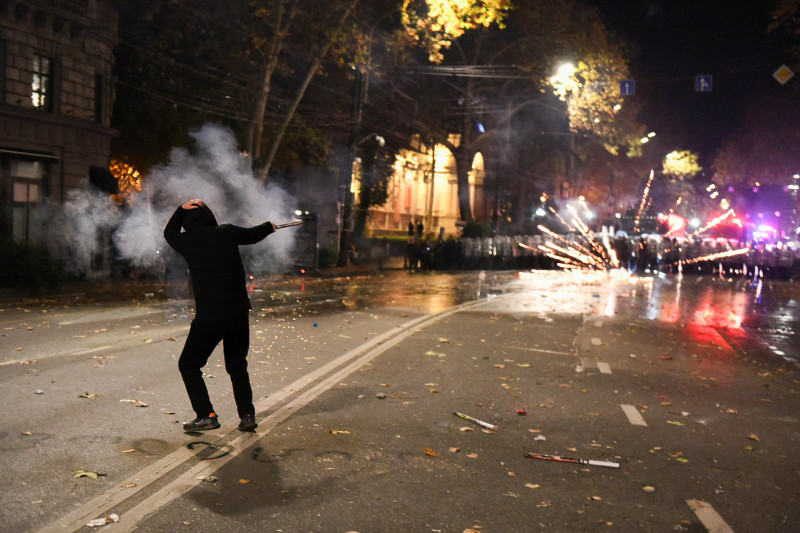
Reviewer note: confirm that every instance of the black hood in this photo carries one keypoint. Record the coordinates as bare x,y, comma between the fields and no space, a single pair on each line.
198,217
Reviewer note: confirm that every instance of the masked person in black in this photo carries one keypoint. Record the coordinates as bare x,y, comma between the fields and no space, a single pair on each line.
221,307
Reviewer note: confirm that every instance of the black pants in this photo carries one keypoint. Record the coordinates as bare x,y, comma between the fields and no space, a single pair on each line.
203,337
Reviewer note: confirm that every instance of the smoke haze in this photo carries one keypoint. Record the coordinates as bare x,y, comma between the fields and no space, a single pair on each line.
213,171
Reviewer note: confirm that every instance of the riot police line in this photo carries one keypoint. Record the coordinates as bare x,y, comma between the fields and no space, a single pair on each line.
640,254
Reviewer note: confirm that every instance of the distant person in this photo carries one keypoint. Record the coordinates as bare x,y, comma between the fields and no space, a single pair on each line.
221,307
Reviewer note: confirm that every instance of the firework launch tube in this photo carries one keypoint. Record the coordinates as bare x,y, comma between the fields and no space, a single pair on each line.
571,460
289,224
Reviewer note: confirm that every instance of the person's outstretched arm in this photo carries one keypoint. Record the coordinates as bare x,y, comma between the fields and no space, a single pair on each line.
252,235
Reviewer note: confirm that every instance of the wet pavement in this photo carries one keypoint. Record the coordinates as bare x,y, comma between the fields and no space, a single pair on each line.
689,384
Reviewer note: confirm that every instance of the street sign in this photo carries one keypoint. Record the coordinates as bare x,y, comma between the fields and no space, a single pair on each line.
702,84
627,87
783,74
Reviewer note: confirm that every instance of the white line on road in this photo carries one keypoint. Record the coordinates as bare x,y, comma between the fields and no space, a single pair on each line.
538,350
633,414
712,521
93,350
130,519
604,368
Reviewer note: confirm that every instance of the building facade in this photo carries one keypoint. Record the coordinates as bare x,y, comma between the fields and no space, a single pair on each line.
424,189
56,98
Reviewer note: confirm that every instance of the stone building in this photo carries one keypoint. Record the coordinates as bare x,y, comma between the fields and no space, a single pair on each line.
56,96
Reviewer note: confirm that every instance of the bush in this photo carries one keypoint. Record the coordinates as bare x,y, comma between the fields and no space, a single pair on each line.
328,257
28,266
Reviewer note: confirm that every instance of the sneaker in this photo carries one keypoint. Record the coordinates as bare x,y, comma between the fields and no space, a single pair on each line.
248,423
202,424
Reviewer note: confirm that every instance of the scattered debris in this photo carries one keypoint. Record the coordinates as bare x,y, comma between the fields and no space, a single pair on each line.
648,488
91,396
243,481
471,419
339,432
754,437
560,459
38,391
127,485
108,519
430,452
137,403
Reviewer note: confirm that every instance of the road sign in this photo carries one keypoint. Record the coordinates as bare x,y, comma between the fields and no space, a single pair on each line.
783,74
702,84
627,87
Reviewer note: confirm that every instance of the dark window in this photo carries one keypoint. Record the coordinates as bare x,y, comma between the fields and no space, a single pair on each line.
42,83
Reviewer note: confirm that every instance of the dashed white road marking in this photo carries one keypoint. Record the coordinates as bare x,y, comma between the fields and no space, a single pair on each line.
633,414
604,368
539,350
712,521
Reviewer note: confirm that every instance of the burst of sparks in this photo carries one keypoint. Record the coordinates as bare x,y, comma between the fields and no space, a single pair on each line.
714,222
719,255
643,203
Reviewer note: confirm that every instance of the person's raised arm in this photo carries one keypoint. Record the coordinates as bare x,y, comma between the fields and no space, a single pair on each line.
173,228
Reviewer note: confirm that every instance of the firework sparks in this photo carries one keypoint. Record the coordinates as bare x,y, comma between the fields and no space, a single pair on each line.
643,203
719,255
714,222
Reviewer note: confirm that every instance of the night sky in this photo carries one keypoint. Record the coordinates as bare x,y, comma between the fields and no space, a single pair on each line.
675,40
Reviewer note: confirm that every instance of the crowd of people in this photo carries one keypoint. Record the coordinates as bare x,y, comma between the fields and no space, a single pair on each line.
640,254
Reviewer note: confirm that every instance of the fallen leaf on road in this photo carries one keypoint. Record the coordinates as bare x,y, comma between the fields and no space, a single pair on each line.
531,486
339,432
437,354
91,396
453,449
443,340
595,498
675,423
732,412
430,452
466,428
85,473
572,449
683,460
540,437
754,437
127,485
243,481
648,488
27,432
521,412
524,365
472,455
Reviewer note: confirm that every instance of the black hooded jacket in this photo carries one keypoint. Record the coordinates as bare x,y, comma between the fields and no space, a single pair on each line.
215,266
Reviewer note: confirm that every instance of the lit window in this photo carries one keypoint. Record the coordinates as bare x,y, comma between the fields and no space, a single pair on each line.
42,83
27,179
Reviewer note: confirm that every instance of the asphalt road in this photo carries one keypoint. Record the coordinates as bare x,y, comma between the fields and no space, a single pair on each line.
357,381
